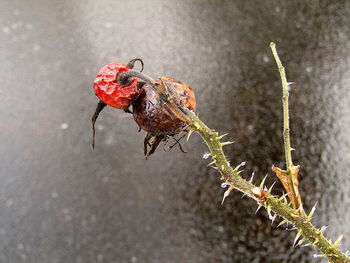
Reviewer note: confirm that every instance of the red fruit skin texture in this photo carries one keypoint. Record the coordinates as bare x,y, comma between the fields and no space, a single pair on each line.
108,90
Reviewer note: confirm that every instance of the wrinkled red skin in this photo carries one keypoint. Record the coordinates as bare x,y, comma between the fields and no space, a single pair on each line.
110,91
159,116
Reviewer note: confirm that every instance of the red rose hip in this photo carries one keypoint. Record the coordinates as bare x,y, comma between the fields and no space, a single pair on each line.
110,90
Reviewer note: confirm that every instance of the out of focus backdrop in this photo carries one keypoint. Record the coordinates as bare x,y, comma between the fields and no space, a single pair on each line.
61,201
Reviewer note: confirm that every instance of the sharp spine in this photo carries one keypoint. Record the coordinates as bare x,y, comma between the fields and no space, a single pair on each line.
297,237
226,143
189,134
263,182
284,221
214,161
259,206
222,136
309,217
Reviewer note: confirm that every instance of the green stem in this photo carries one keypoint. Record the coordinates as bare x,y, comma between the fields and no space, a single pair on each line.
286,129
278,206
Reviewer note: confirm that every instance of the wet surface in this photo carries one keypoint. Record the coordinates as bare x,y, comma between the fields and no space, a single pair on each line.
60,201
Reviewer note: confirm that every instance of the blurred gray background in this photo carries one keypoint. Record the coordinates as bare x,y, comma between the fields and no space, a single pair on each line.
60,201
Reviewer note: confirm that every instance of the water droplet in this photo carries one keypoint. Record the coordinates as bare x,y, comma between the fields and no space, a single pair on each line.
206,155
308,69
221,229
64,126
36,47
23,257
20,246
224,185
14,26
6,29
100,127
9,203
266,59
347,253
54,194
29,26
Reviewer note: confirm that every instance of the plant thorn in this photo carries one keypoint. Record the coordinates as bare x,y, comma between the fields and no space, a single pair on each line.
309,217
338,241
214,161
299,233
251,178
226,143
226,194
263,182
282,222
270,189
222,136
259,206
189,134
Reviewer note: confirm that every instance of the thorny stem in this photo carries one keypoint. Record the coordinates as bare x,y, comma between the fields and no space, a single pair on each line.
286,129
279,206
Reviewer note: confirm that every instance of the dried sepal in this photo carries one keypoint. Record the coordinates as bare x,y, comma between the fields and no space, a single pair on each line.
284,178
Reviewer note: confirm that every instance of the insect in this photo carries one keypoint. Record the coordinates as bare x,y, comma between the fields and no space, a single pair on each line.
154,103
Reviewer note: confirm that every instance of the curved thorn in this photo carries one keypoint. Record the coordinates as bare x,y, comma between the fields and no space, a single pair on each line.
131,63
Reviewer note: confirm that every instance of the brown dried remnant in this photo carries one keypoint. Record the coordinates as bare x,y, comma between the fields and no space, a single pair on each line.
293,192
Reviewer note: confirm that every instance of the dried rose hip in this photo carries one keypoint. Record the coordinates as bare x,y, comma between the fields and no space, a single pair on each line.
156,110
155,103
